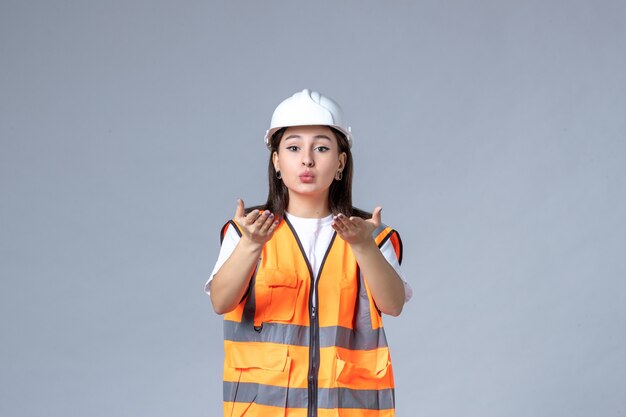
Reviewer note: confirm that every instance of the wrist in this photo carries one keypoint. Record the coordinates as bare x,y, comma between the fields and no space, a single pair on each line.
363,246
250,245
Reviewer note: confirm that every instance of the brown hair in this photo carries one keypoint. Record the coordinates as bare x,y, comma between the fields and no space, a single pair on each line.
339,195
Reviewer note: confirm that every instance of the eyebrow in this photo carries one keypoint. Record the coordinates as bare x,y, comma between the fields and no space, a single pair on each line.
314,137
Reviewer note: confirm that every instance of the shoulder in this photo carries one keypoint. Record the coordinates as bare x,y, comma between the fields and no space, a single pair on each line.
230,228
384,232
385,236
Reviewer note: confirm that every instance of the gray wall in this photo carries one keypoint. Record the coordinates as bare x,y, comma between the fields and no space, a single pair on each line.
492,133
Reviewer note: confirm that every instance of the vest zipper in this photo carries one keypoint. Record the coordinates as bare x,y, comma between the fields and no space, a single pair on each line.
314,342
313,362
314,328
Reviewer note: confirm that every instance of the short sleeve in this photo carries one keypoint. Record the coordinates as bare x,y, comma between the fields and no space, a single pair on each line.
229,242
389,253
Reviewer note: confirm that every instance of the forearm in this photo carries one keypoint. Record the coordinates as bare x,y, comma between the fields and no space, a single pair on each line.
231,281
385,285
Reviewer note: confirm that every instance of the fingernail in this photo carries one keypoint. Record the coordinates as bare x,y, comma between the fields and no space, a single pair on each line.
266,213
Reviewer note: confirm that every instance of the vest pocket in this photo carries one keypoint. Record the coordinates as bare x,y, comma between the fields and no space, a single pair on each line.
363,375
276,295
262,378
364,384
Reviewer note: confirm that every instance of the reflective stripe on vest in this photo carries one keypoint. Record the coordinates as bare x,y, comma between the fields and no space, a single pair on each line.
283,357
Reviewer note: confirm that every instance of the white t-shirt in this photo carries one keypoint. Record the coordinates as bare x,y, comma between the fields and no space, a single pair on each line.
315,236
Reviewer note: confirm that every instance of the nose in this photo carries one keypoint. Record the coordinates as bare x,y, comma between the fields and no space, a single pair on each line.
307,161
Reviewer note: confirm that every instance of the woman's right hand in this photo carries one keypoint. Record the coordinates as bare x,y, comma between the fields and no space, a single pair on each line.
232,280
255,226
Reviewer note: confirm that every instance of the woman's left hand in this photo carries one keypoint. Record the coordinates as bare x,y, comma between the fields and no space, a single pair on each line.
356,230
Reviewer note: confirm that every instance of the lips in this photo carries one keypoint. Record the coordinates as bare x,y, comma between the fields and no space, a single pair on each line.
306,177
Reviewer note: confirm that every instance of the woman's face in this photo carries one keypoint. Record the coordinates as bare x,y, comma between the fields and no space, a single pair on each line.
308,159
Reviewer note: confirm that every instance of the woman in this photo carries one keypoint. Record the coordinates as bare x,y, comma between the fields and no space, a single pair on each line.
303,279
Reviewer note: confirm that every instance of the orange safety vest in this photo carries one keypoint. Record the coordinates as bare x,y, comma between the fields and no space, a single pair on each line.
305,346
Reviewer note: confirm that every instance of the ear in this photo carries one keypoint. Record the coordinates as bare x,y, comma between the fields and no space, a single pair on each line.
275,161
342,160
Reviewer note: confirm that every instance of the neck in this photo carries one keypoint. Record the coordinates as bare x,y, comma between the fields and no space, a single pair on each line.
308,206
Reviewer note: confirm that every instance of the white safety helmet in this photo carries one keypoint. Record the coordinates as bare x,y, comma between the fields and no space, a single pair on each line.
307,108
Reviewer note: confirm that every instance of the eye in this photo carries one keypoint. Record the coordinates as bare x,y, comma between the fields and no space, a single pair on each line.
323,148
292,148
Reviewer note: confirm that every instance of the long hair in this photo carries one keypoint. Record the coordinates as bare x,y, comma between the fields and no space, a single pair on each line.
339,195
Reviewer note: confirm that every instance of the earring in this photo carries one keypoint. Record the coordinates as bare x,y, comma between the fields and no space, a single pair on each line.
278,175
339,175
